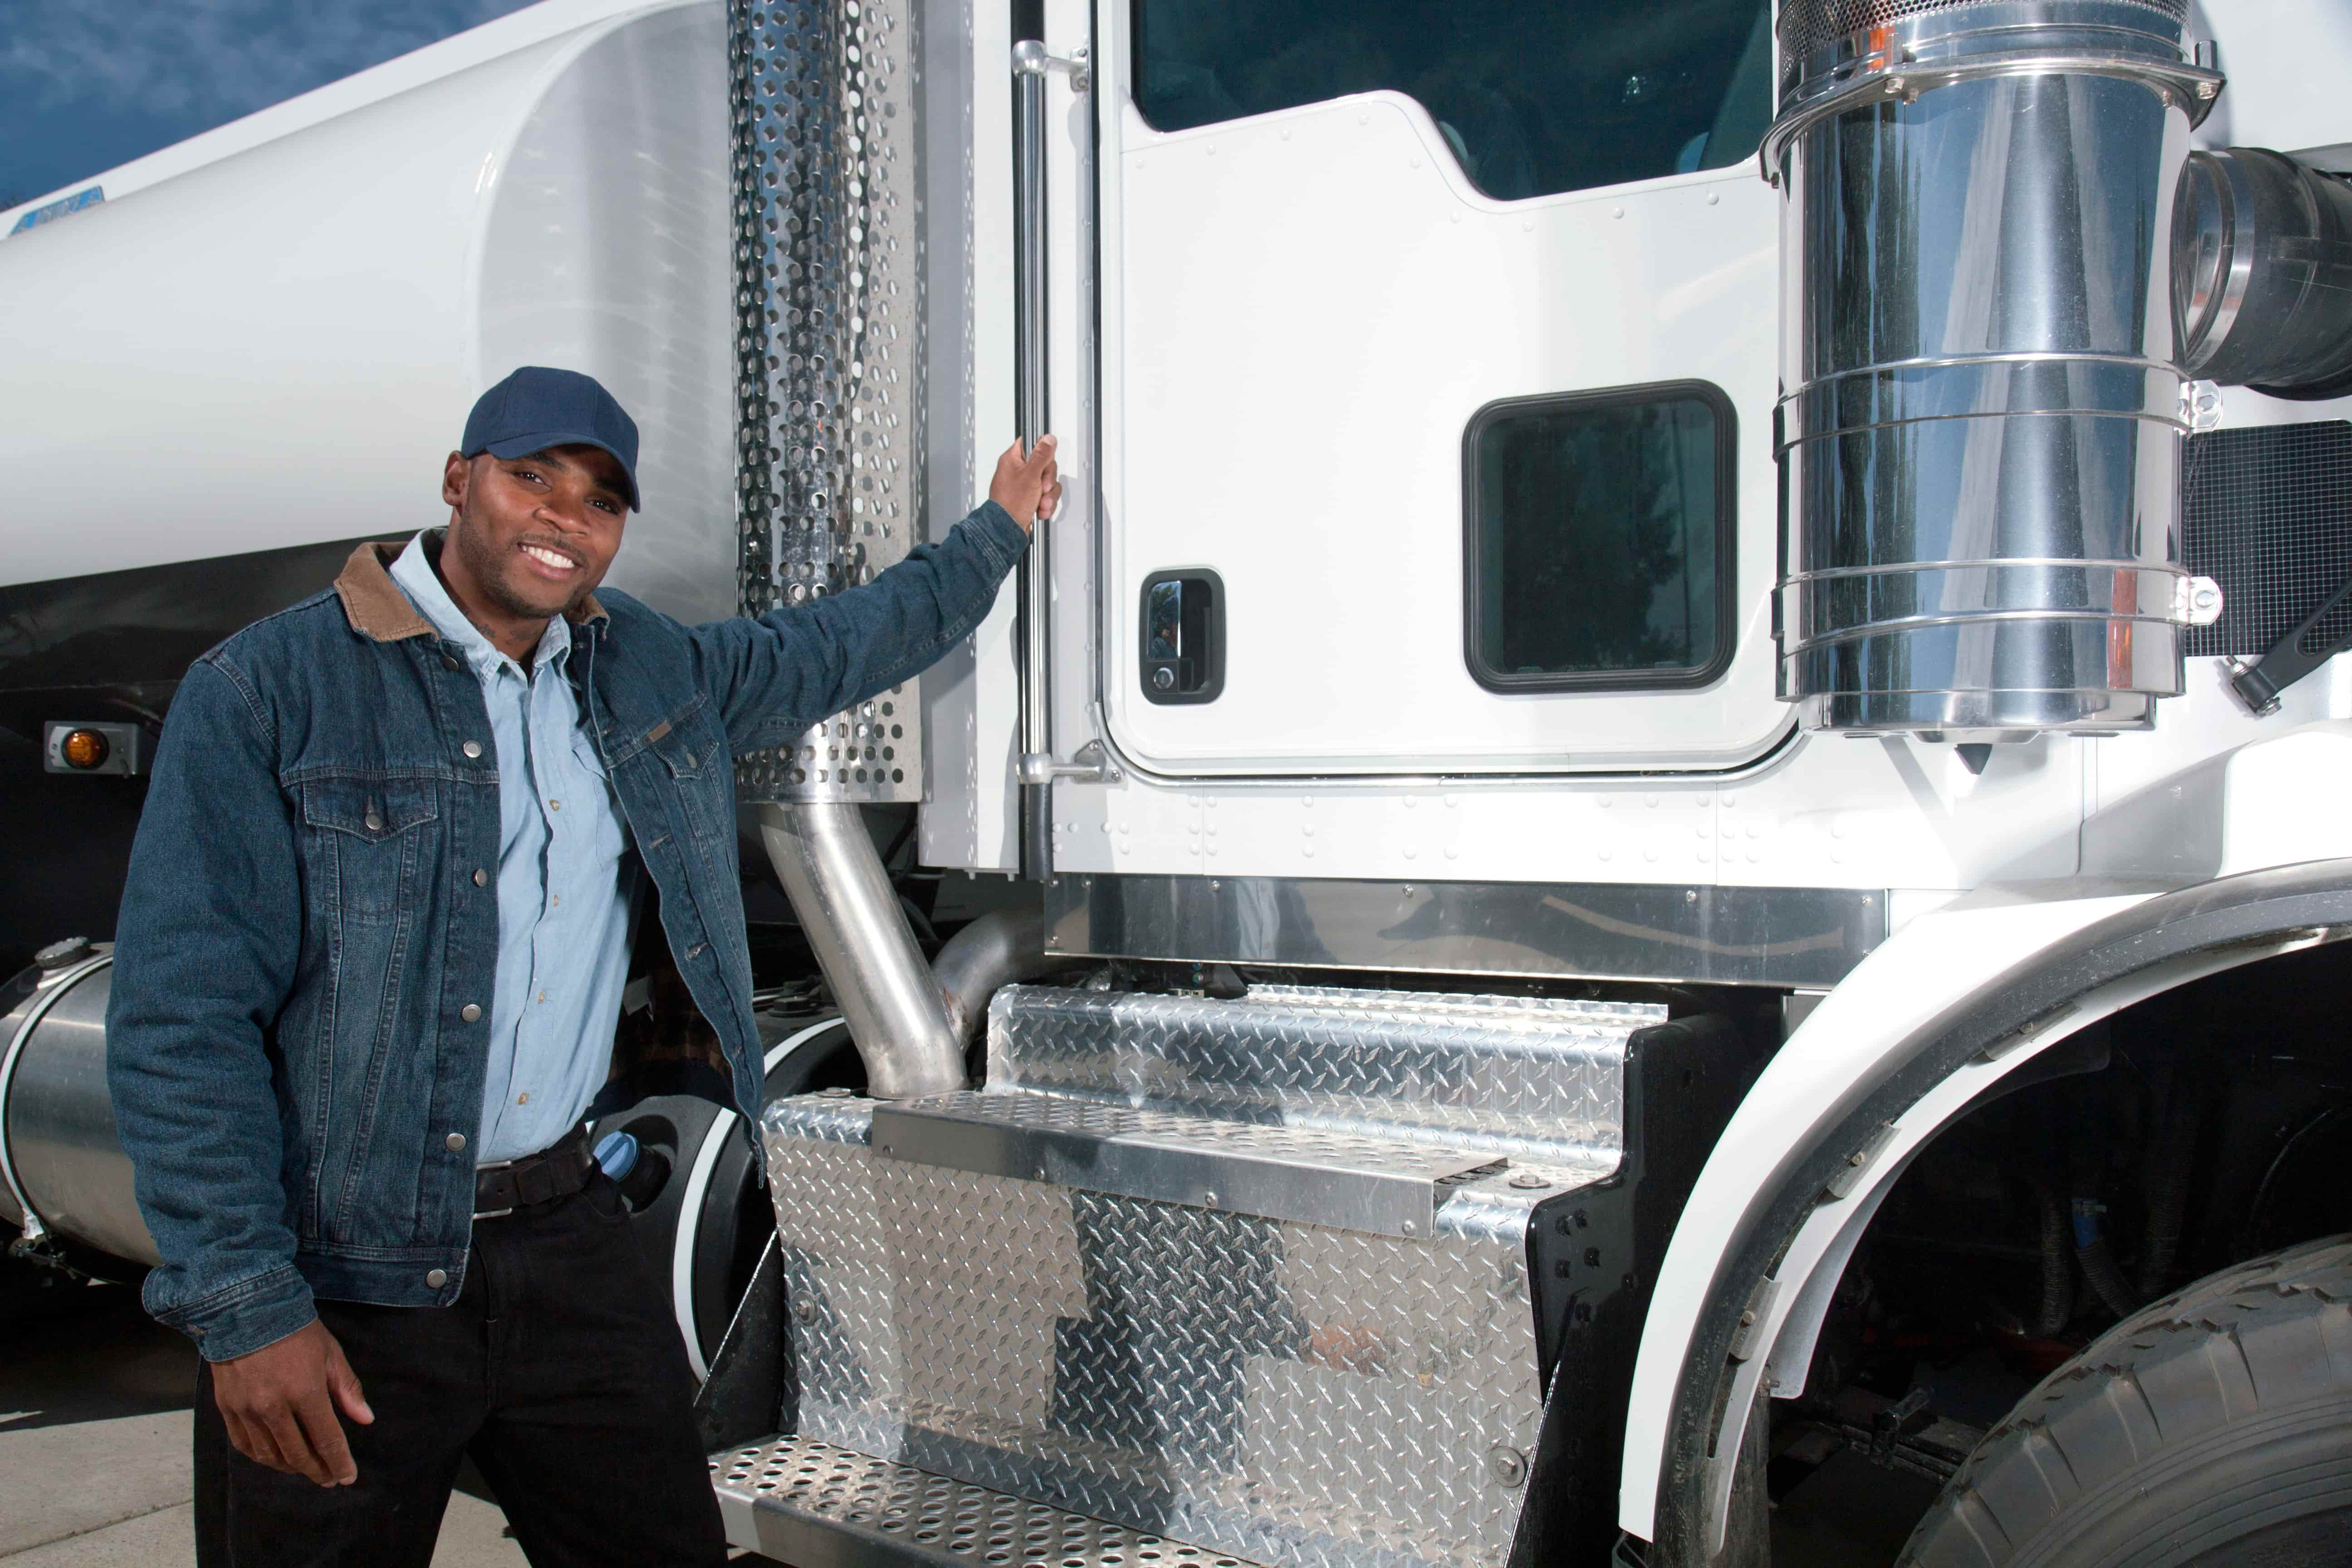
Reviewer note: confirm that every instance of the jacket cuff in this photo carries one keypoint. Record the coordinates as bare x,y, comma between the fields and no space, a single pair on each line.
1001,539
245,1317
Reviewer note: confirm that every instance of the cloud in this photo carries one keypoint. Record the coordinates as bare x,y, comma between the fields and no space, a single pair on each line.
211,61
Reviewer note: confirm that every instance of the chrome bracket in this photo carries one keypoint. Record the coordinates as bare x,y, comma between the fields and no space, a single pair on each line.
2197,602
1090,763
1030,58
2201,405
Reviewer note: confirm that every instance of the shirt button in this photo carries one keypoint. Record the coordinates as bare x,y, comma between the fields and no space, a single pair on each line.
555,806
481,878
523,1099
472,748
557,902
456,1141
542,995
469,1012
437,1278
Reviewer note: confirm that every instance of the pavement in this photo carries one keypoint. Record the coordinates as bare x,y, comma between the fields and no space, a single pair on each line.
94,1434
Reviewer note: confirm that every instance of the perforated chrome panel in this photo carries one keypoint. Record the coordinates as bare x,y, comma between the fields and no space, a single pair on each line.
1537,1077
1285,1392
829,347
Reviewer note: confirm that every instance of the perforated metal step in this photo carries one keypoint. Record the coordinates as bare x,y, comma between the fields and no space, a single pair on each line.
817,1506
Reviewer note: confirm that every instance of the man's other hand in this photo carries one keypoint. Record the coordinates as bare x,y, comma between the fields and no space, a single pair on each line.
279,1403
1029,487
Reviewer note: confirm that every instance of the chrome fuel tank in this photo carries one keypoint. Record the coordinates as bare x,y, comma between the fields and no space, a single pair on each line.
1981,430
66,1174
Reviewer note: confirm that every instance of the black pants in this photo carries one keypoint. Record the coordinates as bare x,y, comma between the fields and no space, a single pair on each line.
558,1370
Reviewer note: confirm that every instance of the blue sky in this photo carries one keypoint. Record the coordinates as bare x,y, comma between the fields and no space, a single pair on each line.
88,84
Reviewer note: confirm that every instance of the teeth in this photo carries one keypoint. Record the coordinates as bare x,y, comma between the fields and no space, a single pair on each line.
561,562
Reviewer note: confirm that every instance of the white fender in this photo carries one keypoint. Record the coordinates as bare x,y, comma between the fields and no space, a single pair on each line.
2246,810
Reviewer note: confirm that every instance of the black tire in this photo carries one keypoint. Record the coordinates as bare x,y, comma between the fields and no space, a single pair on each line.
2213,1428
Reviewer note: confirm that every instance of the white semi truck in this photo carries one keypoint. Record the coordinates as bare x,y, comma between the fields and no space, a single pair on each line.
1665,818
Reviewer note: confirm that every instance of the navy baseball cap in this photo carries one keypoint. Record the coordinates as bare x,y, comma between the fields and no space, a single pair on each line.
536,408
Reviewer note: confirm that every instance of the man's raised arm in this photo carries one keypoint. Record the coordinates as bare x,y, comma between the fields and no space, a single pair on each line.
777,674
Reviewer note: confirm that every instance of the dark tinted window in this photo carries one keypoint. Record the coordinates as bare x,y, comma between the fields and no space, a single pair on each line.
1599,539
1537,96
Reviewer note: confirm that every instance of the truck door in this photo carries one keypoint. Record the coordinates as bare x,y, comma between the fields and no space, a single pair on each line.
1437,375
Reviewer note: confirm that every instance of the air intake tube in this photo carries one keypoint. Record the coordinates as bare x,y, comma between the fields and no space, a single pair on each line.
1983,422
2261,273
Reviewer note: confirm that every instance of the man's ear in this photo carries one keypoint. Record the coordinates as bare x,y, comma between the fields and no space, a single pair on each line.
456,471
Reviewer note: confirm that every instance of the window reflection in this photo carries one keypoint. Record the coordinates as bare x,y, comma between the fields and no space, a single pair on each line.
1598,526
1167,621
1535,96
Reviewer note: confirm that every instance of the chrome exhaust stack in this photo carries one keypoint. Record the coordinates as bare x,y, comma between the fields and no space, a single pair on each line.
829,399
1981,428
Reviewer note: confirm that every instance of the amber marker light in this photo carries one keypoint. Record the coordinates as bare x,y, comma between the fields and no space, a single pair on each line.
84,749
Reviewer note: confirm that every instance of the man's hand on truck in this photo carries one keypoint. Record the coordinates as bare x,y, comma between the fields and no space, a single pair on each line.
1028,487
279,1403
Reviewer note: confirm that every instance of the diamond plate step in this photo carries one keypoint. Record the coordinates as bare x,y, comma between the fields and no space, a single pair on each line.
1532,1077
1251,1269
817,1506
1388,1187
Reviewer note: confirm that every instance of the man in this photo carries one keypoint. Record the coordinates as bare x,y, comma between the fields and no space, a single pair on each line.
367,973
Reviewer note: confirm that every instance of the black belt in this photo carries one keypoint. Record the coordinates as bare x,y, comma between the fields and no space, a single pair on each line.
555,1172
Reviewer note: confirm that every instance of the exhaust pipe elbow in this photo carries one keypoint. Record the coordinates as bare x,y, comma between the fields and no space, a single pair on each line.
987,955
896,1014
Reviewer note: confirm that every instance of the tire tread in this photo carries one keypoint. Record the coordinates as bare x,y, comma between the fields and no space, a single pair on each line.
2245,1342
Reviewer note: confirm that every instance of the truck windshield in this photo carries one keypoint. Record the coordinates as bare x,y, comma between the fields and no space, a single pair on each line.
1535,96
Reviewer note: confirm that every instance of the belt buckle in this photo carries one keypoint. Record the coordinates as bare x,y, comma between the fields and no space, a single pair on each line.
492,1165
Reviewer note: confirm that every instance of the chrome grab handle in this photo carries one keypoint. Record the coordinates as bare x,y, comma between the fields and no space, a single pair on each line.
1038,767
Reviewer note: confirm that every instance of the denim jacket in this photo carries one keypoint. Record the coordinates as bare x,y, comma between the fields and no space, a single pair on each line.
298,1028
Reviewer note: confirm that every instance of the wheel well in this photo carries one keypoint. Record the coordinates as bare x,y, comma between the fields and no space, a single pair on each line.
2185,1133
1796,1238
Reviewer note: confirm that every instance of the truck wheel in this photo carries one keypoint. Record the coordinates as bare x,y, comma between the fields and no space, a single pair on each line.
2213,1428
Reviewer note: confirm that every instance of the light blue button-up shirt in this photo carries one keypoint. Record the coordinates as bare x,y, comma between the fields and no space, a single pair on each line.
567,892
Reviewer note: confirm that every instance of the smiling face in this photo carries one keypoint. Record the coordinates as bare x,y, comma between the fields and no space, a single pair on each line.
532,536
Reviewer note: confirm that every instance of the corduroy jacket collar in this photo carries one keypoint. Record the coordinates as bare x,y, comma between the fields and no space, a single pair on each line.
376,607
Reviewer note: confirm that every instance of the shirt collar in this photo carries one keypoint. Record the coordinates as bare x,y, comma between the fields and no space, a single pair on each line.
414,572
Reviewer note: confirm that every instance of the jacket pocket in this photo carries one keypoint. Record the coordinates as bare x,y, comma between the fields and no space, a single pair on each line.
701,778
362,842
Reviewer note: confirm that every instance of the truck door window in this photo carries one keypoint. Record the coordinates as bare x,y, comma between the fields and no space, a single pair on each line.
1600,542
1535,96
